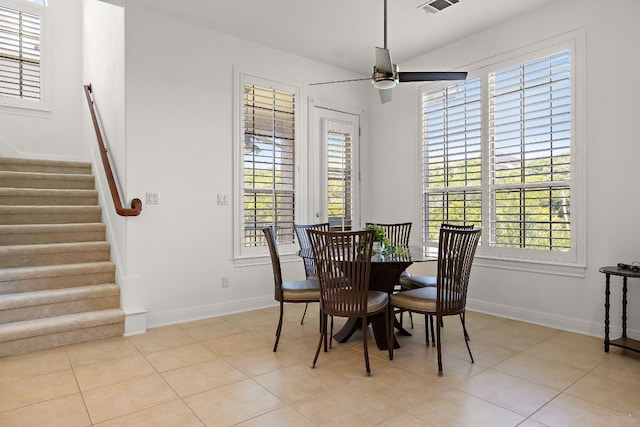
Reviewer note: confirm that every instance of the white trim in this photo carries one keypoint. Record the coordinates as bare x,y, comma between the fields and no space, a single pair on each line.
190,314
30,107
573,263
243,256
565,323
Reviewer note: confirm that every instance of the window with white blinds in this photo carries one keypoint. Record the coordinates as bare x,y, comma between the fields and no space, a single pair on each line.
268,163
339,180
20,51
499,152
452,157
530,146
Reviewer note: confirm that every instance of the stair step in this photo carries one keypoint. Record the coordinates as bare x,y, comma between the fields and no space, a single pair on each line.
53,254
13,179
40,197
32,234
49,214
57,302
34,335
50,166
29,279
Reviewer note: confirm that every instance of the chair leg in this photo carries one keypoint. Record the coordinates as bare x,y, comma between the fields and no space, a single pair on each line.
462,319
323,337
390,328
279,329
411,319
439,344
306,305
466,337
331,334
426,328
433,338
365,345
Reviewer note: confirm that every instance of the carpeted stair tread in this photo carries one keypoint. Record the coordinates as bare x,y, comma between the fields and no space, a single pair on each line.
38,327
49,214
39,165
43,180
29,234
30,279
47,197
53,253
55,296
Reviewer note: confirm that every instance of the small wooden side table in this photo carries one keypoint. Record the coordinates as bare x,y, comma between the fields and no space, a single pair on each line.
623,341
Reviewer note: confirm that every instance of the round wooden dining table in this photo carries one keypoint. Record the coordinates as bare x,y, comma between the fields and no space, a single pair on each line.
386,269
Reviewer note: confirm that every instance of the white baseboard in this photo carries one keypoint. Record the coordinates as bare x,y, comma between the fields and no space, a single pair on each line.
594,329
205,311
135,323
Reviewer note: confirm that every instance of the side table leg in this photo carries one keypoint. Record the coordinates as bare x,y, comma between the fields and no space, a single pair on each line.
624,306
606,313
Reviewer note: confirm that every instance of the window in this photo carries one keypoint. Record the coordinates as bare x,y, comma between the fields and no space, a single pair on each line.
339,180
499,152
20,53
268,115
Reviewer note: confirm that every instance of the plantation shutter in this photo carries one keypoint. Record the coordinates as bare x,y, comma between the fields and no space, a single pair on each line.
269,163
530,158
451,150
339,180
19,54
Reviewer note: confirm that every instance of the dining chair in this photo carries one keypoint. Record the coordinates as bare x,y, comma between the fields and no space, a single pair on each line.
300,291
456,250
407,282
398,235
343,262
305,245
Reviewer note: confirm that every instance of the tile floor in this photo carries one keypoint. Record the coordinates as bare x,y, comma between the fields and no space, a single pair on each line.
222,372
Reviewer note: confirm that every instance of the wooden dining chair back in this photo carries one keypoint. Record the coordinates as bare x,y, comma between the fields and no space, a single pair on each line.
305,245
397,234
300,291
343,262
456,251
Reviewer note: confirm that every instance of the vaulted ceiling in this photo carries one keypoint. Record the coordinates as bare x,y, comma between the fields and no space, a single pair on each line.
344,33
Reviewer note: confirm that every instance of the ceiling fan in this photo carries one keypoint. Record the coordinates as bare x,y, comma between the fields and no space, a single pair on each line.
386,75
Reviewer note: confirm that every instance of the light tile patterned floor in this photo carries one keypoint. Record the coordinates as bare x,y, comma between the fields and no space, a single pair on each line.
222,371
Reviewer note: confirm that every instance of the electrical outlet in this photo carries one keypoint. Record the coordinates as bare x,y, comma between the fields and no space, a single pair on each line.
152,199
225,282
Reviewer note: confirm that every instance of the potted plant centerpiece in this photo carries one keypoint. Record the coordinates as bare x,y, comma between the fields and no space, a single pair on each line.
379,238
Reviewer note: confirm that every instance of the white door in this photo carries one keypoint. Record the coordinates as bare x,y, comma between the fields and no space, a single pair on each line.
338,198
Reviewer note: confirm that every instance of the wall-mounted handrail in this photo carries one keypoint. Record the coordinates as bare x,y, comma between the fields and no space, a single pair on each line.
136,204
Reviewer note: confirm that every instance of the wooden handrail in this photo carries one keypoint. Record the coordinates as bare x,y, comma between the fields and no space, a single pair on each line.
136,204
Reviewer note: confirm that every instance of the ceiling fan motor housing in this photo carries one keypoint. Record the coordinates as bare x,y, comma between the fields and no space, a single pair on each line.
382,80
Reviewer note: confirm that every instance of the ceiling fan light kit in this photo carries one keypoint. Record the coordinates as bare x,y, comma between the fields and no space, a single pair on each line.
386,75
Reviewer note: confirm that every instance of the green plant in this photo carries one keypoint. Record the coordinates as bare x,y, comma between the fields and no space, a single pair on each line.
380,234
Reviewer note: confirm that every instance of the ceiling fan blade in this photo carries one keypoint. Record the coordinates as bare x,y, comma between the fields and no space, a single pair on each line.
385,95
340,81
383,61
430,76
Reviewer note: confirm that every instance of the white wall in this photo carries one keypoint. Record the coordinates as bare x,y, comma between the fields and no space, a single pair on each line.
612,152
104,68
54,134
179,131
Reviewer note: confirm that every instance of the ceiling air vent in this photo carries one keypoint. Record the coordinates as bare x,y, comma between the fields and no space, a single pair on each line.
434,6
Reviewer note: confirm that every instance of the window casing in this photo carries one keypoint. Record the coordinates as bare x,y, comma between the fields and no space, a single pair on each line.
340,209
22,54
268,117
500,151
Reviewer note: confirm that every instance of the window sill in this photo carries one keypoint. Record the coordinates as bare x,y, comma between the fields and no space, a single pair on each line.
532,266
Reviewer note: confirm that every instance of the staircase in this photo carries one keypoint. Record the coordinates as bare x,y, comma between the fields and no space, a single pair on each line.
56,280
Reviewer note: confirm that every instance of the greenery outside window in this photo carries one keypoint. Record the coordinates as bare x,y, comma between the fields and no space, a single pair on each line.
499,151
267,159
